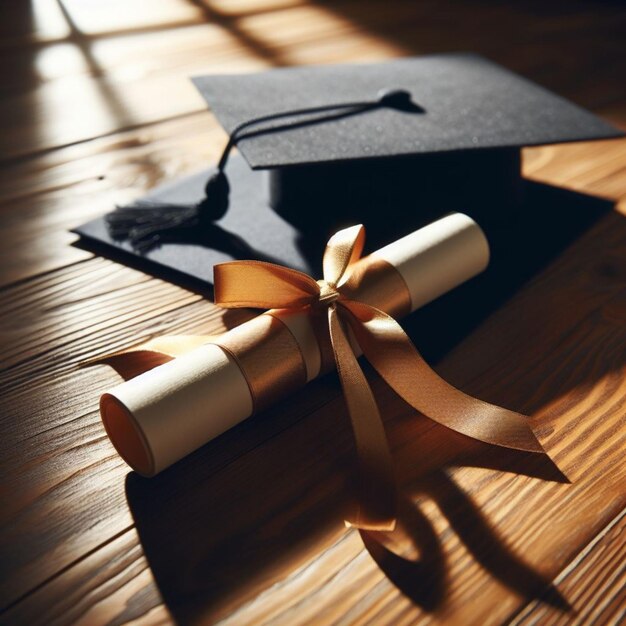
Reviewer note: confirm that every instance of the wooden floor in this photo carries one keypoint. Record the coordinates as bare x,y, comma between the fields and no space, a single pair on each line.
95,108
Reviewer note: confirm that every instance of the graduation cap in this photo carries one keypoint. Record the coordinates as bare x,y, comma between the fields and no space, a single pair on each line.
391,145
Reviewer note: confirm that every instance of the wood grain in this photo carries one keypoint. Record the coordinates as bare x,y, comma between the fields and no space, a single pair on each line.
248,530
112,583
595,583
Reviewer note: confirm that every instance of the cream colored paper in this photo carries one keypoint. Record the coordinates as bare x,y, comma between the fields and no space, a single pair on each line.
161,416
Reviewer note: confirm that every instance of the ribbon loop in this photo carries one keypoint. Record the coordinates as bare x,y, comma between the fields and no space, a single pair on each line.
262,285
342,250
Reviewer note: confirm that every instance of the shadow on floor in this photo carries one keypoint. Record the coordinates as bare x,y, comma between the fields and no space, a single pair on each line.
251,508
215,539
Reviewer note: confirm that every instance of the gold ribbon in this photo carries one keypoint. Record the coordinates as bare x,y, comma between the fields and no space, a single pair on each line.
265,285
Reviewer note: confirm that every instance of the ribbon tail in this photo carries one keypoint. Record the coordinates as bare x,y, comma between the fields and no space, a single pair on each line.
134,361
377,494
395,358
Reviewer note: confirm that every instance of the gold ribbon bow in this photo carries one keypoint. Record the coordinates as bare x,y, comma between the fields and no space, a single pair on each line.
387,347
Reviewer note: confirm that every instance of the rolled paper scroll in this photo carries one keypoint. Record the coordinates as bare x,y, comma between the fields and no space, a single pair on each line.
167,412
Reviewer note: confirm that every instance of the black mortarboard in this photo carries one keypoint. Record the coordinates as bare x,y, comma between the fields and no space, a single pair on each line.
390,145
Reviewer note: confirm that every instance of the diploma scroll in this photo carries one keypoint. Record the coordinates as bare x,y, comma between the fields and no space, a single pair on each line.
166,413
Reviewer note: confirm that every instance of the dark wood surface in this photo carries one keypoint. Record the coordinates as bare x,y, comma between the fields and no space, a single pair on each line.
95,108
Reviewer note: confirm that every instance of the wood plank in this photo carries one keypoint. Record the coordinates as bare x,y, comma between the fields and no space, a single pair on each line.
111,584
90,85
595,583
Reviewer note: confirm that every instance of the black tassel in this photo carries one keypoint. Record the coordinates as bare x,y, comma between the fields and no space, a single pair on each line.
146,222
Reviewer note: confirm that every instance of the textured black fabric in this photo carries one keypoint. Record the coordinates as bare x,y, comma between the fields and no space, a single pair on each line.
469,104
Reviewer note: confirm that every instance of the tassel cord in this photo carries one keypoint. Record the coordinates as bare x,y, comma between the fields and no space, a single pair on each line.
145,222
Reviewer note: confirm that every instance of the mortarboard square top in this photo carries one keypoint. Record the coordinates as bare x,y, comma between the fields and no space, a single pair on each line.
392,168
468,103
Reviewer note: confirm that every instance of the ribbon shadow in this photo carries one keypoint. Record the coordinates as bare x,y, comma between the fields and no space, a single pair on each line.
237,517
